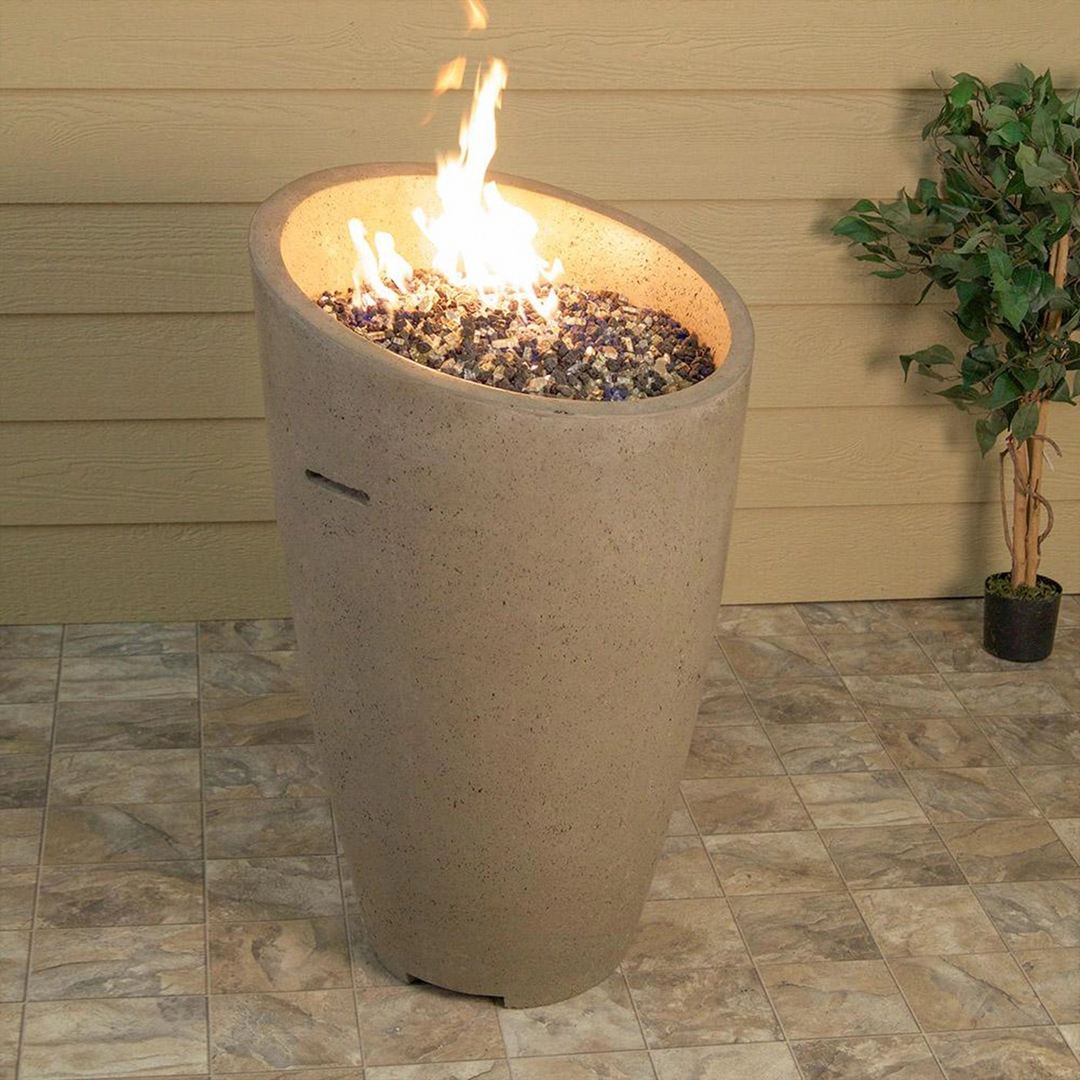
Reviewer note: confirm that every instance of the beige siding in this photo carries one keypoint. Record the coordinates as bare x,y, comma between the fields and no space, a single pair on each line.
138,137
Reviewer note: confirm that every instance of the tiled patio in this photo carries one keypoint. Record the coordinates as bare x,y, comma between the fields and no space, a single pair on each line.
872,872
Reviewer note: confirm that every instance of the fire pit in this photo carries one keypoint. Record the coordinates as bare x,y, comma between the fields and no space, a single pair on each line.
503,600
504,486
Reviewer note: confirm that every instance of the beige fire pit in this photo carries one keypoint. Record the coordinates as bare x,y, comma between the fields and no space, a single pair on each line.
503,601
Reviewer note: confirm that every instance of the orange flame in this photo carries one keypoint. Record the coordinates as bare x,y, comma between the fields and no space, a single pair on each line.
481,241
450,76
476,13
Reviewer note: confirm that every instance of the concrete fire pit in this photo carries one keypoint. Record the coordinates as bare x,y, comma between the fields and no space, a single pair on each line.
503,601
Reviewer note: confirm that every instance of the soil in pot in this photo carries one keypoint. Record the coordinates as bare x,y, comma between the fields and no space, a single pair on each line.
597,346
1020,625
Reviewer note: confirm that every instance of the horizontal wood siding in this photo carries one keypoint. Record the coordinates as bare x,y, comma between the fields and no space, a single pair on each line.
137,139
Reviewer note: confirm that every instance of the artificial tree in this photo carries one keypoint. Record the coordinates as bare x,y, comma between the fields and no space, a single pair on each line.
995,230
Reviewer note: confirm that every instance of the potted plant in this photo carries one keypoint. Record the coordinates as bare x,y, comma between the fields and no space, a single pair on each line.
995,231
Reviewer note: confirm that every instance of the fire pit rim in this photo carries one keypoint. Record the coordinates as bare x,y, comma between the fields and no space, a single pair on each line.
268,265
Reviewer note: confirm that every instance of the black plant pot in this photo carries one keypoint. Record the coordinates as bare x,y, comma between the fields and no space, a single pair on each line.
1020,630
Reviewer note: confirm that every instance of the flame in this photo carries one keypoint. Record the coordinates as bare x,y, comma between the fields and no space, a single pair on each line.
481,241
450,76
476,13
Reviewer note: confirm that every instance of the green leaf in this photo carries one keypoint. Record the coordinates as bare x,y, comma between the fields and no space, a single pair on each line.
997,115
927,358
856,230
1008,134
963,91
864,206
1013,305
1005,391
891,274
1025,420
1001,266
1043,171
988,429
1042,127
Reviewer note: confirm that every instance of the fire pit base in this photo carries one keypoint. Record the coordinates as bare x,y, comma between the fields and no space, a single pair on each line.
503,601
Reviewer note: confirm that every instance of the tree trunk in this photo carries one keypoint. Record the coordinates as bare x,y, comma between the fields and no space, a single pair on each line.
1035,453
1019,524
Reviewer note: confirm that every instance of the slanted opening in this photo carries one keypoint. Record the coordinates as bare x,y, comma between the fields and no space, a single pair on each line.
336,487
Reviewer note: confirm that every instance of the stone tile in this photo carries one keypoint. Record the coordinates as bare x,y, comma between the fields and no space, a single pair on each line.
28,681
249,828
795,929
20,836
1034,914
156,724
961,649
627,1065
129,1036
26,729
452,1070
759,619
413,1024
948,613
1008,1054
1034,740
28,641
950,795
165,676
680,823
1007,693
813,748
250,890
683,871
903,697
128,639
803,701
1055,975
133,832
853,617
23,781
1068,830
779,862
676,935
885,1057
937,919
731,751
262,772
366,967
885,858
601,1019
117,961
1055,789
702,1008
851,799
766,804
1071,1034
283,1031
18,885
10,1032
255,674
296,954
257,720
14,950
121,894
790,656
725,704
1066,681
247,635
892,653
961,993
124,776
951,742
1023,850
763,1061
837,998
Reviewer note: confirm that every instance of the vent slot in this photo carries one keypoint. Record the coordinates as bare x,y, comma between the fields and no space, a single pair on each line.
337,488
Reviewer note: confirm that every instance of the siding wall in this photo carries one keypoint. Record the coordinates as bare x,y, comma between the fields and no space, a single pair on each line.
137,138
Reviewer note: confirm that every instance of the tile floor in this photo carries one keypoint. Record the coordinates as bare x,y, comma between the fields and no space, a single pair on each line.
872,871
